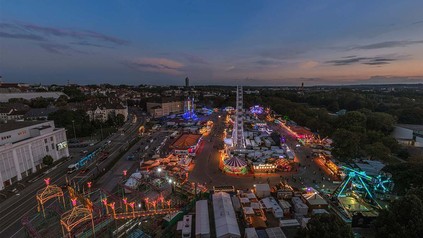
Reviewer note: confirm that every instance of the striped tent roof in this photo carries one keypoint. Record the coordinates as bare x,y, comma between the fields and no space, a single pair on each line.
235,162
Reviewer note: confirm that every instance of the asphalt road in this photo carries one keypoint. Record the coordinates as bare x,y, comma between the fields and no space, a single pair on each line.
206,170
13,209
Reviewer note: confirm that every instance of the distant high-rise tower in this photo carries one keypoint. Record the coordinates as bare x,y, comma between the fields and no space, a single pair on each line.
187,82
238,131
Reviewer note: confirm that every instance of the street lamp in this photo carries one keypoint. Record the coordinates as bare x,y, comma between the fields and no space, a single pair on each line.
74,131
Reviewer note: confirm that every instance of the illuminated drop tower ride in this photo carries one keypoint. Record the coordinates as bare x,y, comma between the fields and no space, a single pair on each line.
189,106
238,132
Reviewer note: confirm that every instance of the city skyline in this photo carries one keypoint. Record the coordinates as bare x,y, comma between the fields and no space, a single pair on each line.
241,42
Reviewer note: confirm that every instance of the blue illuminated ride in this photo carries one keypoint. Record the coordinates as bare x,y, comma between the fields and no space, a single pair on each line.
256,109
189,107
359,182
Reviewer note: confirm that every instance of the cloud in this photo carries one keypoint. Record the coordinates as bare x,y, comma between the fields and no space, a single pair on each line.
309,64
195,59
282,53
387,44
41,33
267,62
349,60
22,36
417,22
158,65
60,49
384,79
85,43
230,68
76,34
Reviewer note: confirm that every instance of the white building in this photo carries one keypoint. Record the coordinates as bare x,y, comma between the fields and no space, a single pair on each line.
165,107
4,97
262,190
271,205
187,223
407,134
224,216
23,146
202,224
103,111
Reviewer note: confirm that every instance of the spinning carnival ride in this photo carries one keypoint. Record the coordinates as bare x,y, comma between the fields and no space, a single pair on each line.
368,187
189,107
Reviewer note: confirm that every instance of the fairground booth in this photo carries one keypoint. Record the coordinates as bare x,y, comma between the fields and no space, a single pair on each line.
186,144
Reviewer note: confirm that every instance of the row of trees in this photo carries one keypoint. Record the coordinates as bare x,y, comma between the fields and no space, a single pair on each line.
364,133
404,218
406,105
78,124
355,134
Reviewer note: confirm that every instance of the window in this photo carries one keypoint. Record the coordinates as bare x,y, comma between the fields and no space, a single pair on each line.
46,148
51,139
45,140
52,146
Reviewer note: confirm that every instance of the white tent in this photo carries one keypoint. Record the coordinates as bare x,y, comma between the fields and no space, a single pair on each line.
224,216
202,224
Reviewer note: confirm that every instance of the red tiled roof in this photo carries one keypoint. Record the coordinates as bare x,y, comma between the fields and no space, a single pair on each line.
186,141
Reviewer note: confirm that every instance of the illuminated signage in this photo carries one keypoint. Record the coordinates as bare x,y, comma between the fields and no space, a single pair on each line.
62,145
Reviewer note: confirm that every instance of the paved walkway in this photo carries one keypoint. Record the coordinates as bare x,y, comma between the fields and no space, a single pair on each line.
206,170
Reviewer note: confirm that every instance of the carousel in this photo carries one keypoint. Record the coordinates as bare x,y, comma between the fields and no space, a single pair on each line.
235,165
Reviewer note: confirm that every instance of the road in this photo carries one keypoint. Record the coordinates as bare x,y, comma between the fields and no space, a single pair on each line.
206,170
13,209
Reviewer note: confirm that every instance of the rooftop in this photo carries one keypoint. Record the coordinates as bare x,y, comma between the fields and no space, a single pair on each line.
411,127
10,126
4,97
186,141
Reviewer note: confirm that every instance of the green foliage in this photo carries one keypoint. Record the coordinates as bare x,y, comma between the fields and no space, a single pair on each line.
353,121
325,226
406,176
47,160
404,154
404,218
346,144
380,121
412,115
69,119
40,102
378,151
75,95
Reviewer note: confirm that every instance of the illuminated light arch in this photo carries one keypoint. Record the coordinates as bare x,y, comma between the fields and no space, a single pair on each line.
74,217
49,192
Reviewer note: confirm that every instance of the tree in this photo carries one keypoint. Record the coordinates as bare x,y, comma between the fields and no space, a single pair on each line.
353,121
404,154
40,102
120,119
325,226
346,144
47,160
378,151
406,176
404,218
411,115
380,121
75,95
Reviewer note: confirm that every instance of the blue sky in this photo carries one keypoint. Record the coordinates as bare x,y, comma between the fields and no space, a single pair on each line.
212,42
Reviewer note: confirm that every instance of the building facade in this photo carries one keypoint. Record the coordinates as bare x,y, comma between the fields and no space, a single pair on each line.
103,110
160,109
23,146
408,134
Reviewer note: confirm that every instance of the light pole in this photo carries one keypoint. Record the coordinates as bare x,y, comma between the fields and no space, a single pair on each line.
101,129
74,131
